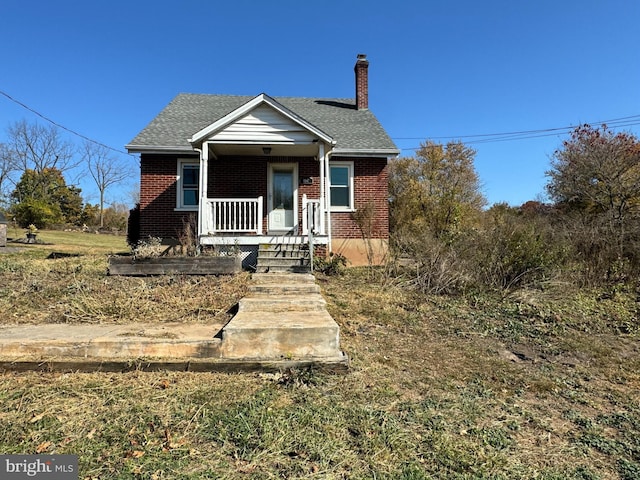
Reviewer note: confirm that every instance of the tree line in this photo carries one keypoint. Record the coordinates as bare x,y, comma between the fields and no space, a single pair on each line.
36,163
587,233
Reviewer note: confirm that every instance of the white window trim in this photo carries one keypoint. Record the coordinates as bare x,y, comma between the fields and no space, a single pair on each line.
179,194
351,207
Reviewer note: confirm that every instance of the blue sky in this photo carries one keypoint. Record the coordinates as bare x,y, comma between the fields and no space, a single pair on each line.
438,69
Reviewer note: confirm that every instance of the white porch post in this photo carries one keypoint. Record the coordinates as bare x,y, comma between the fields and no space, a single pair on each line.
327,198
204,165
323,206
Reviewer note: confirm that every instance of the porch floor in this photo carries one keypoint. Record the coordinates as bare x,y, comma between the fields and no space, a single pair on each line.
272,239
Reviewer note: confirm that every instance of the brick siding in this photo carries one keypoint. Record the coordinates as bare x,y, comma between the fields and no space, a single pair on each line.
158,215
370,185
246,177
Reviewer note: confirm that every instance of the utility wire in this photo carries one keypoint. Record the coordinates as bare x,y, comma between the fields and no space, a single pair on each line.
62,126
473,139
528,134
570,127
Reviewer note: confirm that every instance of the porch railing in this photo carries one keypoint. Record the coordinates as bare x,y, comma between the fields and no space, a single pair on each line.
232,215
311,216
244,215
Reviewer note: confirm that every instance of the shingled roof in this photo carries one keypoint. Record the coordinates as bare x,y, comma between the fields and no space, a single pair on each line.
356,131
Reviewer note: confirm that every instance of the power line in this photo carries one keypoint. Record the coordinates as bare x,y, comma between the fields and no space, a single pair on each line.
84,137
479,138
570,127
528,134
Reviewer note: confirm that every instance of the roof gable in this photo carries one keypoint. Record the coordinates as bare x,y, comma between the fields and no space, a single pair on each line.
261,120
355,132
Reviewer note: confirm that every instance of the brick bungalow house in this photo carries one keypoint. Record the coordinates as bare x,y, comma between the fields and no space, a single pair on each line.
267,171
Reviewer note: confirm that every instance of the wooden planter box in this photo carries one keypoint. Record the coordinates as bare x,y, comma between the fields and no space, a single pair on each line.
201,265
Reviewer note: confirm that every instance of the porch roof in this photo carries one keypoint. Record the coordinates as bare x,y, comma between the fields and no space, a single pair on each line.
355,132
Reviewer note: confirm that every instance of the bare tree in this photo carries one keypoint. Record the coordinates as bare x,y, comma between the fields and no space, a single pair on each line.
104,168
7,169
134,193
36,147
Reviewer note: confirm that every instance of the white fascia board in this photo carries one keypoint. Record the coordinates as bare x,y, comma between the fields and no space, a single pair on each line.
259,142
376,152
250,105
158,149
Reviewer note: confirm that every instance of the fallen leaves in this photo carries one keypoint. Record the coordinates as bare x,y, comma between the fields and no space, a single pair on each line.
134,454
43,447
37,418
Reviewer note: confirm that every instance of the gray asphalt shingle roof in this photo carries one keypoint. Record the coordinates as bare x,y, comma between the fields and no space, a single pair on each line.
188,113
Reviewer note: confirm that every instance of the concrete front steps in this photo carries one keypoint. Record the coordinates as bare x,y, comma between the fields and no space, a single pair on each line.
282,323
293,258
283,317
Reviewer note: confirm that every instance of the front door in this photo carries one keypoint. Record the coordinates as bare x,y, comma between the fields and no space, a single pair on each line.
282,197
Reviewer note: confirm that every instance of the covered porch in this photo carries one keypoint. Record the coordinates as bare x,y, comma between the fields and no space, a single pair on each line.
242,220
262,178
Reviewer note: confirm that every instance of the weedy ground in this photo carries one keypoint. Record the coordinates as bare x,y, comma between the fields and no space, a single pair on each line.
39,284
534,384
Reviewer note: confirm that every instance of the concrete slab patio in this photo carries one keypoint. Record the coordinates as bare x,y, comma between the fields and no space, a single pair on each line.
282,323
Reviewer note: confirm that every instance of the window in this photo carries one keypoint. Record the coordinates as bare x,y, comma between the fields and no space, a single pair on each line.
188,182
341,178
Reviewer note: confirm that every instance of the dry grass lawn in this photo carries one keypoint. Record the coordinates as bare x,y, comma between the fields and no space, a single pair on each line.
35,288
537,384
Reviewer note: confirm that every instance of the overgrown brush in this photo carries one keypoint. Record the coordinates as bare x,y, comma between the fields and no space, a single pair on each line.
598,257
511,251
504,257
514,248
149,248
36,289
433,267
335,264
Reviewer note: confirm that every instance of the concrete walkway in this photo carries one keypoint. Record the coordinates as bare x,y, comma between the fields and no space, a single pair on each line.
282,323
283,316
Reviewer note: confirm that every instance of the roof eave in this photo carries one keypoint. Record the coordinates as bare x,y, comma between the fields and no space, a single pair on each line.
366,152
158,149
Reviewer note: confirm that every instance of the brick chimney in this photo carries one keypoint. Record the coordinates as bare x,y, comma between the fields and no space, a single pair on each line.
362,82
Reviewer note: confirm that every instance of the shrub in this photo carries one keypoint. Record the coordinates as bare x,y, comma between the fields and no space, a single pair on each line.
436,267
364,218
149,248
599,259
133,226
188,236
508,250
513,251
37,212
334,265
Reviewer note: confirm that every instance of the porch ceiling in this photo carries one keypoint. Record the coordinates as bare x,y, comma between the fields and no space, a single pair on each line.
256,150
